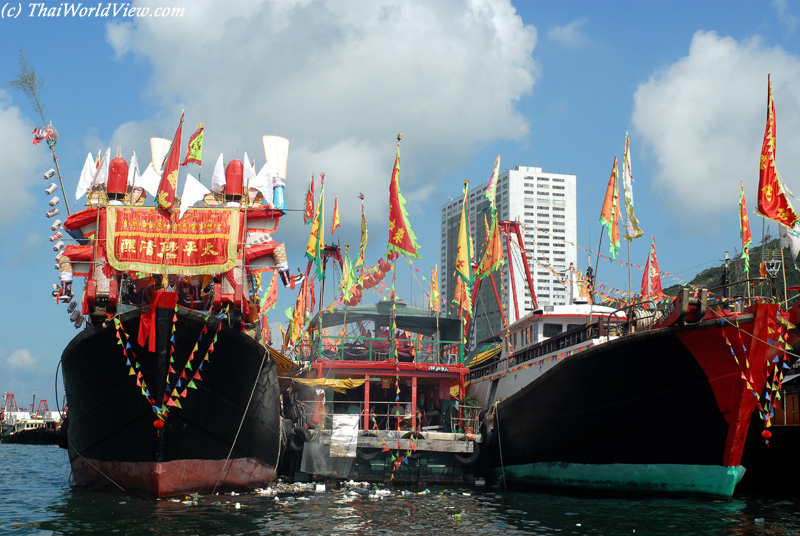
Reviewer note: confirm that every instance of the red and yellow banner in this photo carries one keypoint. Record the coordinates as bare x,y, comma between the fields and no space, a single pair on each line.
144,240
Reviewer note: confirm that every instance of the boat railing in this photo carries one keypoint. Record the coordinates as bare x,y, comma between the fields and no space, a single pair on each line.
567,340
363,348
387,416
737,298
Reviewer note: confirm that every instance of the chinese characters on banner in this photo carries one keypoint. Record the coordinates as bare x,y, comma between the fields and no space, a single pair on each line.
143,239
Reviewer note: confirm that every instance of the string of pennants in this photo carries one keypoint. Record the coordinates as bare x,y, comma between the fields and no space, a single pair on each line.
541,362
185,380
767,402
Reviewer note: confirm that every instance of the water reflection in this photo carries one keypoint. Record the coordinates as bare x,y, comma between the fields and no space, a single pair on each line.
37,499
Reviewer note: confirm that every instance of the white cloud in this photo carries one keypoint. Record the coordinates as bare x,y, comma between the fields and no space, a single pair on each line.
703,119
21,163
786,18
571,34
21,360
339,80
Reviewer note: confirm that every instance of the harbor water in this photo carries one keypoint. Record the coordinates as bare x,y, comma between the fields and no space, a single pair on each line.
36,499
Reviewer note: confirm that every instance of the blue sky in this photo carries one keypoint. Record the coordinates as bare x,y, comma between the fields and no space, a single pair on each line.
550,84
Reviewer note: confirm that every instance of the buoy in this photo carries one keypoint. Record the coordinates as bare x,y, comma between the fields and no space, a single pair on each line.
51,188
49,174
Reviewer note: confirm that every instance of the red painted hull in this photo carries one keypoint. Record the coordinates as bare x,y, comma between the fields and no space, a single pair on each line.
168,479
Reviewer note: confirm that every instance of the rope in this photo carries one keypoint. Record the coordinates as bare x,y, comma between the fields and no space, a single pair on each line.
241,423
500,447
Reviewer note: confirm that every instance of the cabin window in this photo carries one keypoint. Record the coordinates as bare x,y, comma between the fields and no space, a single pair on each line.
551,330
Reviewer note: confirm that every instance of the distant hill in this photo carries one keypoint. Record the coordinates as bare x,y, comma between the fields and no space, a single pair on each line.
712,277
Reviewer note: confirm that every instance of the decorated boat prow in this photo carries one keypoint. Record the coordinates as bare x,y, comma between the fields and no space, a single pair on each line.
171,385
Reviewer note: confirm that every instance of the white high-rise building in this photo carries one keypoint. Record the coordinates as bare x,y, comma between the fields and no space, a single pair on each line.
545,206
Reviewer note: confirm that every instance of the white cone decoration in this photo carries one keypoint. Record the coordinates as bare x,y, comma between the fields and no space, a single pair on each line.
52,212
49,174
51,188
58,246
54,200
56,225
56,236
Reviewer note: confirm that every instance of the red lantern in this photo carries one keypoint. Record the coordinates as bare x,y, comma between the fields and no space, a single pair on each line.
766,434
158,424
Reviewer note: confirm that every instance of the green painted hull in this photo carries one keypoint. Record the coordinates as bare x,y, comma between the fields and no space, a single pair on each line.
672,479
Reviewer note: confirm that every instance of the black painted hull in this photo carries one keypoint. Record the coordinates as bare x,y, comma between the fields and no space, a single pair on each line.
220,437
663,411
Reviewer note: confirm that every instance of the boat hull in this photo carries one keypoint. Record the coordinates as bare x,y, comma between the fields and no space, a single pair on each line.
221,429
662,411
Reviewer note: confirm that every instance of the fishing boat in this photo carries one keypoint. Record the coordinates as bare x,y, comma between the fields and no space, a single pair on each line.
28,427
648,398
380,404
171,385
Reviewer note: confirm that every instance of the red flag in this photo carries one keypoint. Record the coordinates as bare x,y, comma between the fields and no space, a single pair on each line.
772,202
308,215
401,237
651,280
169,173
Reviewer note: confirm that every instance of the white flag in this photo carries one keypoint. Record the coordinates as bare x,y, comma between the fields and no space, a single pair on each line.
263,183
133,170
101,177
790,238
218,176
87,174
193,191
150,179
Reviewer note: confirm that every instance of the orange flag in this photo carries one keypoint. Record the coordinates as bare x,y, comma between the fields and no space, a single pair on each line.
169,173
744,230
772,202
435,288
335,222
609,216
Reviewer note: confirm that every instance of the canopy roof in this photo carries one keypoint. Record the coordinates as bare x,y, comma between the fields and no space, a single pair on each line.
410,318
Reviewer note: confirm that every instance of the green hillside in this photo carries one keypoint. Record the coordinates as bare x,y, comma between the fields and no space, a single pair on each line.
712,277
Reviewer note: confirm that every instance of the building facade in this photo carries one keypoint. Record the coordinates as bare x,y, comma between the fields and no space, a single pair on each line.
545,205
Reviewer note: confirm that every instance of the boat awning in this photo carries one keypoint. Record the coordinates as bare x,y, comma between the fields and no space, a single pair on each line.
482,353
286,367
338,384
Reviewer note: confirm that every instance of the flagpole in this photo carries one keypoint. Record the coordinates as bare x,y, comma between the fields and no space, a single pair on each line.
630,285
785,292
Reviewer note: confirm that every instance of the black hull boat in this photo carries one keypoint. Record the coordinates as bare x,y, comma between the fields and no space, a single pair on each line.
171,387
666,410
222,433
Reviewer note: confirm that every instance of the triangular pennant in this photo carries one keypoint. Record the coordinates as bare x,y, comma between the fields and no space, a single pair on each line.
191,384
